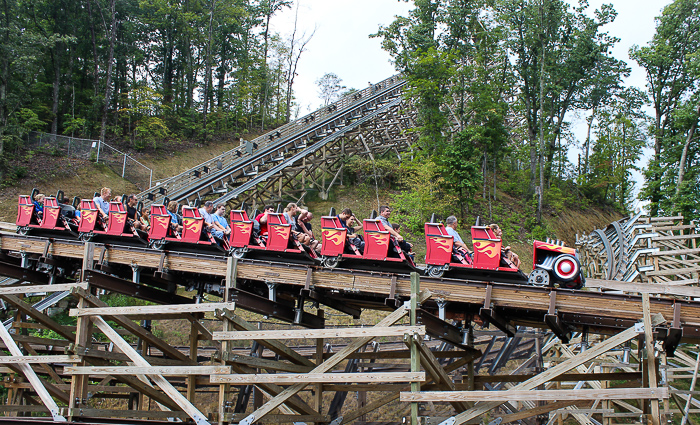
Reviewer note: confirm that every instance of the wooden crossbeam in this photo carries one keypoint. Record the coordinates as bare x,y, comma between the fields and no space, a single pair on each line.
321,333
649,288
538,395
39,359
311,378
150,310
25,289
147,370
166,386
261,363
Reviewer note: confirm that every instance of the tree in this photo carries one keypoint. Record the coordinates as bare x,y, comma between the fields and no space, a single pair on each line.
669,61
330,87
556,51
621,135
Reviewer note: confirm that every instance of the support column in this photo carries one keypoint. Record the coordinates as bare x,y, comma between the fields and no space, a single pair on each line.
83,336
224,389
318,391
415,356
651,360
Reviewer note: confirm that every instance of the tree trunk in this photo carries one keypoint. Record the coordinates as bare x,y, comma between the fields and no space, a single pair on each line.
56,86
684,158
207,71
588,143
110,64
94,48
4,82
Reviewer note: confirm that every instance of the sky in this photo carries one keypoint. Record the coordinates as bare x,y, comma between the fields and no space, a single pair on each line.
341,42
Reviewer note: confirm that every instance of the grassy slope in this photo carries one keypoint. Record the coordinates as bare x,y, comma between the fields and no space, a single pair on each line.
82,178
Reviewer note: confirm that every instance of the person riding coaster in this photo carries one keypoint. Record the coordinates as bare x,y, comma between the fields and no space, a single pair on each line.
274,239
553,264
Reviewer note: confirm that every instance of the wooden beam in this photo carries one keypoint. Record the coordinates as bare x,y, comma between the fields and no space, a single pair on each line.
166,386
261,363
147,370
321,333
39,359
557,370
538,395
648,288
312,378
150,310
25,289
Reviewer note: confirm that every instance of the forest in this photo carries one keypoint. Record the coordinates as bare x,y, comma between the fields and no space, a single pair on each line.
509,75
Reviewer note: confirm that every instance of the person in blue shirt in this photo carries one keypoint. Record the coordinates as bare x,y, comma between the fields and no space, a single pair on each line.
221,227
102,201
39,202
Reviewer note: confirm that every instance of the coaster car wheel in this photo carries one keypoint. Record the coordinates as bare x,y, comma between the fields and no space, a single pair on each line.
435,271
539,277
158,244
86,237
23,230
238,253
331,262
566,268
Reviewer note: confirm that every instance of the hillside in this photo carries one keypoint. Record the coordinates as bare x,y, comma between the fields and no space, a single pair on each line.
81,178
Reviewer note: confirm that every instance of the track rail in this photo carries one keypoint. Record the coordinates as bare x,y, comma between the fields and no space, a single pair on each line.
513,304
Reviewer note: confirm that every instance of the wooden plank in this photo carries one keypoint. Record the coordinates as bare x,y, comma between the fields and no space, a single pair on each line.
150,310
261,363
676,252
670,271
537,395
311,378
321,333
677,237
164,385
648,288
39,359
150,370
25,289
124,413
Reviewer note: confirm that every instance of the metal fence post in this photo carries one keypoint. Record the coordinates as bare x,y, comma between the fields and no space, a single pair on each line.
99,142
124,166
150,180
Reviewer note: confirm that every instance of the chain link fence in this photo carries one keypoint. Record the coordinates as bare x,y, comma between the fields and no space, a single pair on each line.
93,150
